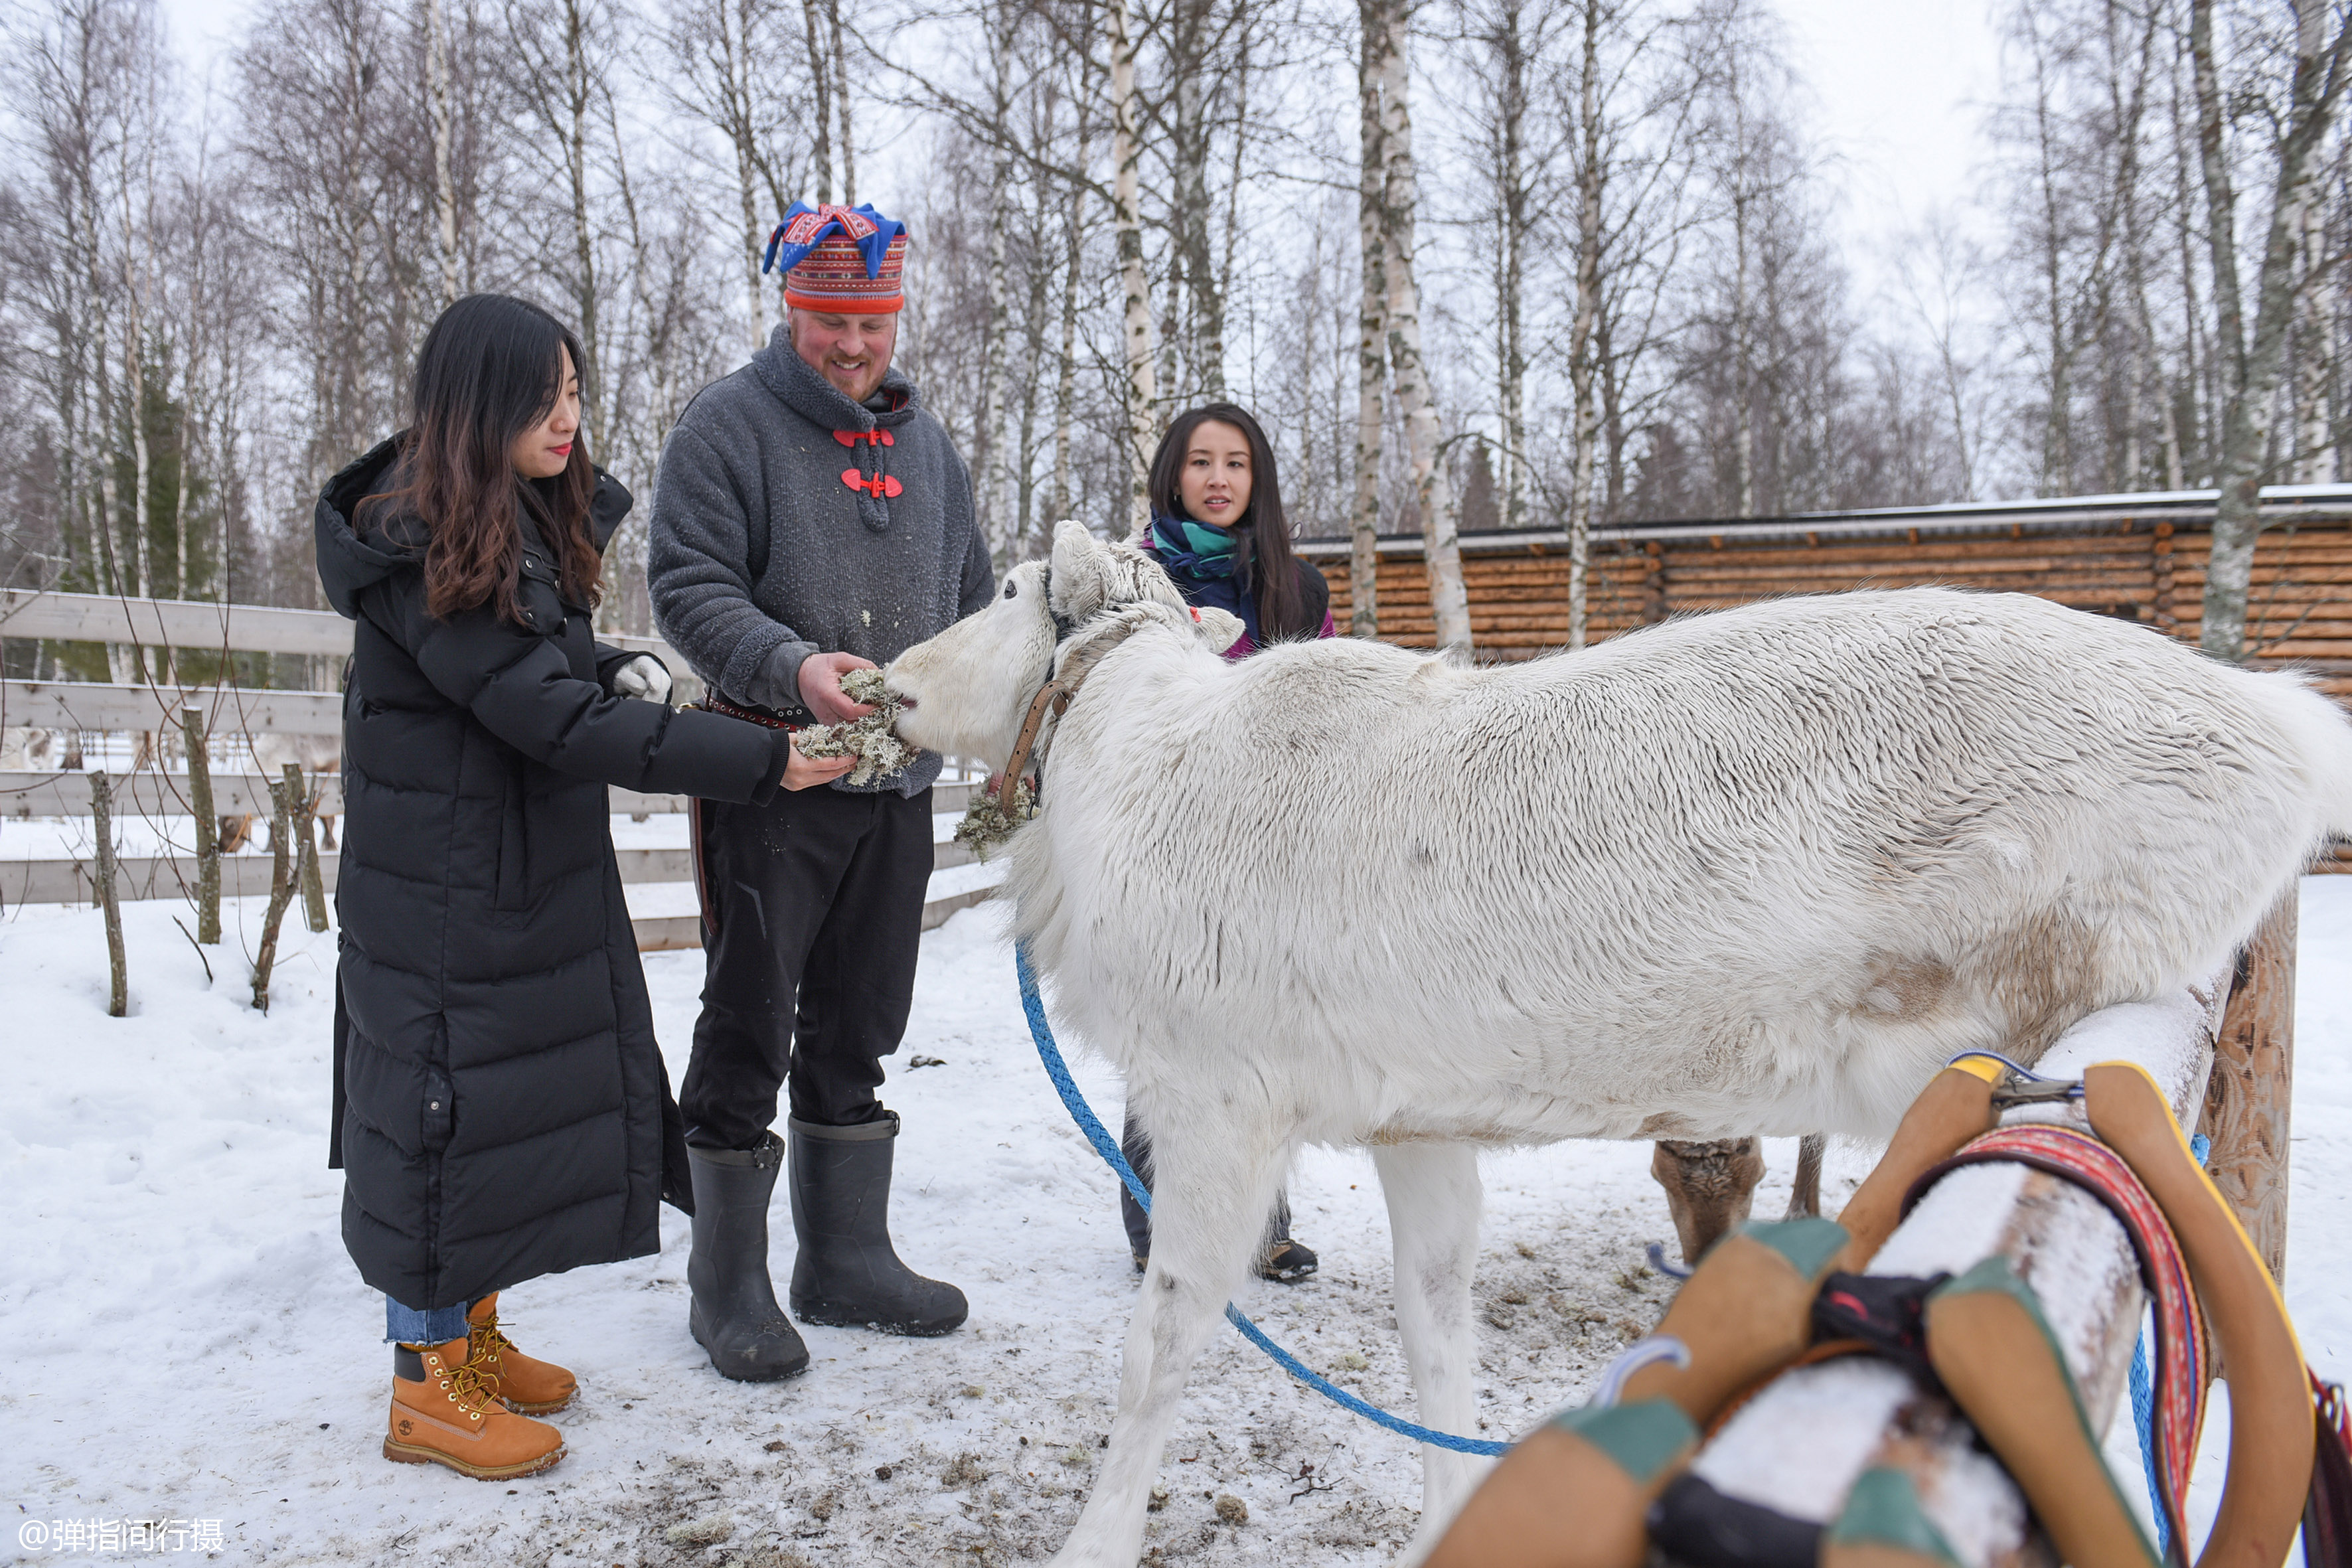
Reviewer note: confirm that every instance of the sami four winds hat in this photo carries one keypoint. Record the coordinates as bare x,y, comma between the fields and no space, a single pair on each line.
839,258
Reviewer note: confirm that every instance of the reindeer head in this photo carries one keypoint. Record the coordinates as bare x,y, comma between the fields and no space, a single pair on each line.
966,689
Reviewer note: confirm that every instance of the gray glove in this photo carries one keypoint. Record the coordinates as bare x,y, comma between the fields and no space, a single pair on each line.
642,677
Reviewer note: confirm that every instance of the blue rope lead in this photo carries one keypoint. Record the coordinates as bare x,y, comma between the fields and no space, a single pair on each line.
1108,1147
2143,1398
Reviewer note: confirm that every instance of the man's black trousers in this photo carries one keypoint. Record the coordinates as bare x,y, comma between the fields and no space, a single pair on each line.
817,898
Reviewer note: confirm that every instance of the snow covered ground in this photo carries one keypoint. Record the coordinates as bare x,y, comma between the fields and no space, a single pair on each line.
192,1344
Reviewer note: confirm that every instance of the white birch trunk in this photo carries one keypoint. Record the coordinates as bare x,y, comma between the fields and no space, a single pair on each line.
135,386
737,51
1066,380
821,80
2252,360
1142,384
841,102
1591,179
1512,358
102,412
438,99
578,90
2316,453
1372,327
995,521
1449,604
1191,137
1743,349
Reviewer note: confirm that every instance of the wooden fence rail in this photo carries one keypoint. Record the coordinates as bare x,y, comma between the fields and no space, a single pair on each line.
96,705
63,880
188,624
145,793
153,794
70,880
198,626
148,794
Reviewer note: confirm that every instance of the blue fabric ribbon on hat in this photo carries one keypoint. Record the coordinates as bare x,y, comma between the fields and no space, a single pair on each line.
805,227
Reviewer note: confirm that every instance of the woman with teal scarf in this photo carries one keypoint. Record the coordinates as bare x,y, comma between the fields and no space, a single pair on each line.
1217,527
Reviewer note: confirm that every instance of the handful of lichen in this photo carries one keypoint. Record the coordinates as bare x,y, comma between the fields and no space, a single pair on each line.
869,740
986,823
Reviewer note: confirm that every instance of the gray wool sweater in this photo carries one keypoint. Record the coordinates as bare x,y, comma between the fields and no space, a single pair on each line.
762,553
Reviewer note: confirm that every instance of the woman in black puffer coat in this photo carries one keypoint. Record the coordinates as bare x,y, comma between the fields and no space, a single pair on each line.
502,1108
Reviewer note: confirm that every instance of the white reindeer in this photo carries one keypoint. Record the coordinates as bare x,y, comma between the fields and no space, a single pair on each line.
27,748
1758,871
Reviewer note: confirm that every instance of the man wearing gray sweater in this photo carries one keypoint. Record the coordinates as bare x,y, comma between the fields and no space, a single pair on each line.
810,517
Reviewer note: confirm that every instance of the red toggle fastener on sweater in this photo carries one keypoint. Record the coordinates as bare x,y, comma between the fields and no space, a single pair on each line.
871,437
879,486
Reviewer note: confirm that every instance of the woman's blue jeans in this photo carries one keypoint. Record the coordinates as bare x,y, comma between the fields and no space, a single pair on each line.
407,1326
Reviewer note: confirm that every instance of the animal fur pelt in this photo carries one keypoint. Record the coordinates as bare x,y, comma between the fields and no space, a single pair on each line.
1760,871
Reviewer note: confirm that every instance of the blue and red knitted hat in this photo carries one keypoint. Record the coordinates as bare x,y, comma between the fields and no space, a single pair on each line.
839,258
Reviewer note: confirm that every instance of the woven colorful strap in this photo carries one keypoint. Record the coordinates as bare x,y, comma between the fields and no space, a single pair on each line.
2180,1342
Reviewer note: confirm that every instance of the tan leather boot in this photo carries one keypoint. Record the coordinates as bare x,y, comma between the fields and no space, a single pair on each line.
524,1384
445,1413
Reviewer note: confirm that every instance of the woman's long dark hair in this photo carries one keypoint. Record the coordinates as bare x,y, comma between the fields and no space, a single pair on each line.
490,369
1263,564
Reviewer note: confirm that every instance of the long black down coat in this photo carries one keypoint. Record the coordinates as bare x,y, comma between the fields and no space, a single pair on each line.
502,1107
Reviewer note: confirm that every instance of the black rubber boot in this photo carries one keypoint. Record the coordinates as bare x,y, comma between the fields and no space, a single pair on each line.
735,1316
848,1275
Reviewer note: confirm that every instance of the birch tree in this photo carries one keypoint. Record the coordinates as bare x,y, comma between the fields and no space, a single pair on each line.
440,93
559,65
1142,388
728,55
1002,22
1441,546
2250,351
1371,321
1591,181
2314,444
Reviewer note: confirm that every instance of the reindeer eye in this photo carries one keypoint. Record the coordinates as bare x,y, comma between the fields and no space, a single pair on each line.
1013,590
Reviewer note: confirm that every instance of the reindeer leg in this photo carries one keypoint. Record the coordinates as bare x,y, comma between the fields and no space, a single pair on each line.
1209,1202
1805,1194
1434,1198
1709,1187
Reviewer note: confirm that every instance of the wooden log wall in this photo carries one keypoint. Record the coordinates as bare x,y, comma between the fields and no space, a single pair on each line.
2152,573
2299,609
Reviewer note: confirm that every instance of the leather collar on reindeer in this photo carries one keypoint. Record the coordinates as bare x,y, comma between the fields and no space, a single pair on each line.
1061,687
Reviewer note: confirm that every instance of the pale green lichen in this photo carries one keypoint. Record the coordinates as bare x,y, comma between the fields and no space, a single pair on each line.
986,823
869,740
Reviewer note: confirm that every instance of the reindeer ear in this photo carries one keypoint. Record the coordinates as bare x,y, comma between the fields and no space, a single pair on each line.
1219,628
1083,578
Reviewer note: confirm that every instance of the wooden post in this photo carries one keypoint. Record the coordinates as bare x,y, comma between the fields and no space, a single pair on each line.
102,811
282,877
2250,1095
314,890
200,801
